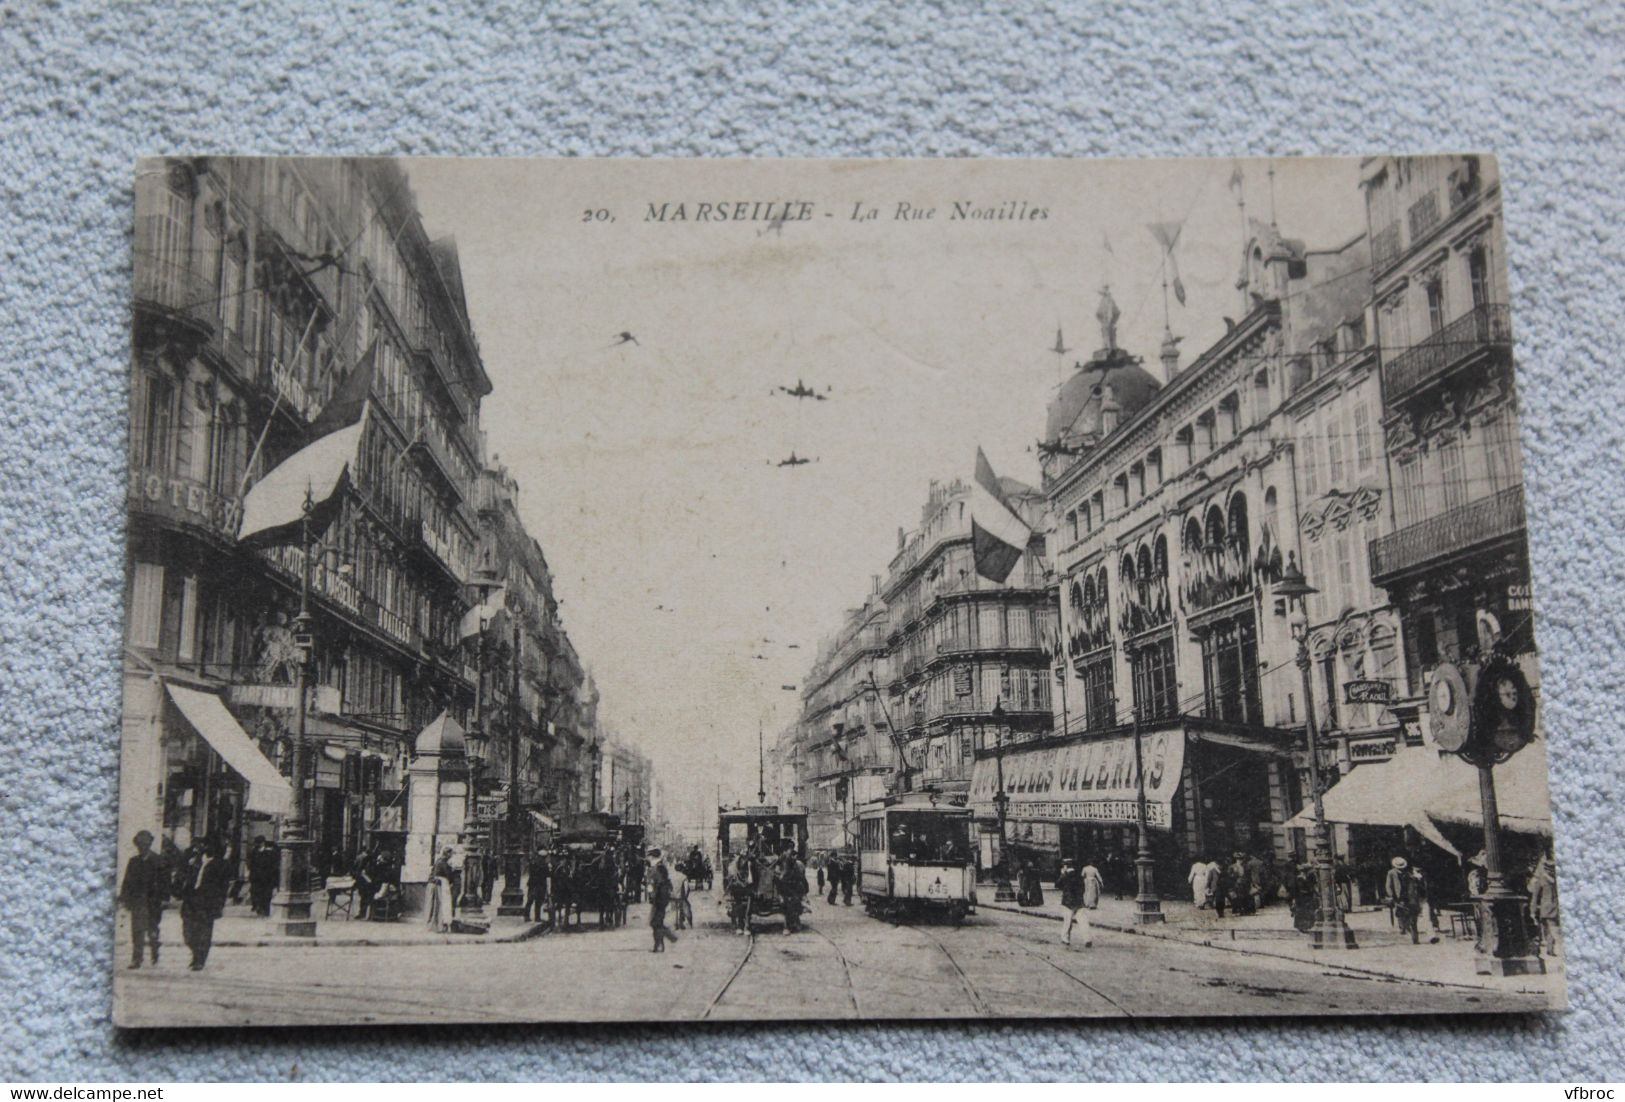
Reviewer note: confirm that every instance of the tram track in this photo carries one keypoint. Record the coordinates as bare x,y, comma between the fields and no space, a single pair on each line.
1067,972
846,968
975,996
744,958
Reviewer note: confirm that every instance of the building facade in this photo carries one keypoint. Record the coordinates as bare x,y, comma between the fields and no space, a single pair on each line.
1177,495
841,751
920,667
275,299
1459,546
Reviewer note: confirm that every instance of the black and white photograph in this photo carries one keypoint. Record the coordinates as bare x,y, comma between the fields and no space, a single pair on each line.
564,590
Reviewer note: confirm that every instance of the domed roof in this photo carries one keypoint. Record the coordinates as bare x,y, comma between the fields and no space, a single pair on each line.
444,736
1112,374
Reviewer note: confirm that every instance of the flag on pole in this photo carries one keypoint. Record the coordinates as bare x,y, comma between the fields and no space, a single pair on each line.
273,508
482,614
344,408
998,534
1167,235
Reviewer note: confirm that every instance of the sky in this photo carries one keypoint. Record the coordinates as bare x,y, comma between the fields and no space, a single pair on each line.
696,576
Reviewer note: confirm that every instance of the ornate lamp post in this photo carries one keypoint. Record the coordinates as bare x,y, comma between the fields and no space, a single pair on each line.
1147,906
513,894
1002,892
1329,930
290,906
472,904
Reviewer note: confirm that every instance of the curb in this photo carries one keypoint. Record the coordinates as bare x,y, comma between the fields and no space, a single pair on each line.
529,932
1231,946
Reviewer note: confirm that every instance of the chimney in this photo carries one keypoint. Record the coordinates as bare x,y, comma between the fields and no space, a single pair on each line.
874,584
902,537
1170,355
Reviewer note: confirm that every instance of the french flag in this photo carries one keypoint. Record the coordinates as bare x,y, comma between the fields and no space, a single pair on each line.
998,534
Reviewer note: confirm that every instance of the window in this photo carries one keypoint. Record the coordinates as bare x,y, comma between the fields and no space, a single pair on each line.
1384,662
1363,451
989,625
146,604
186,650
1345,566
1072,523
1452,474
1328,670
1410,490
1230,670
1156,692
1311,466
1317,570
1435,300
1501,453
154,434
1334,453
1478,276
1097,693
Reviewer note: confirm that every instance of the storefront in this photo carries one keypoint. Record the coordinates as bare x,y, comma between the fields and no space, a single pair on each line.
190,770
1208,790
1426,806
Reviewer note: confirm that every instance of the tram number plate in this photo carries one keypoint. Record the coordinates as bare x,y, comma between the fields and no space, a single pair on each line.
937,890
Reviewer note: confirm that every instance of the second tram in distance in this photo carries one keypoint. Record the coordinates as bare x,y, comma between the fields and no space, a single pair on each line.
915,858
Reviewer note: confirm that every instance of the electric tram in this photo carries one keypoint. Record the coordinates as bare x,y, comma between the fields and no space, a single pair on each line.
762,833
915,857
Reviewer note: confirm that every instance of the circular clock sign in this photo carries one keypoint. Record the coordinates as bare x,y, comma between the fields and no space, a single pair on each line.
1503,710
1448,708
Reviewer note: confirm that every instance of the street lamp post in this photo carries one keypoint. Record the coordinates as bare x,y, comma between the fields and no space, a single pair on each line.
1002,892
290,906
1329,930
1147,906
472,904
513,895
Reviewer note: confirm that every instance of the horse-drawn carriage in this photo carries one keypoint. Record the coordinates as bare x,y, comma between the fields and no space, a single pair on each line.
595,866
761,835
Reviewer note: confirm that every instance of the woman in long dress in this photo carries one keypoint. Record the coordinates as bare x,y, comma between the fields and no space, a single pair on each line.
440,899
1198,882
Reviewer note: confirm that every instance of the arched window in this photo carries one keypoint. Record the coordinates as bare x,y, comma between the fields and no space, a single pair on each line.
1238,537
1213,534
1193,535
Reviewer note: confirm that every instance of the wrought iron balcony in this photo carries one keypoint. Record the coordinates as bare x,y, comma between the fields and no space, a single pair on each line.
172,287
1481,328
1385,246
1460,530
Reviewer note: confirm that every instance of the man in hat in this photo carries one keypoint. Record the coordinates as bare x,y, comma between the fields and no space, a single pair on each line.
1401,890
659,900
203,901
146,886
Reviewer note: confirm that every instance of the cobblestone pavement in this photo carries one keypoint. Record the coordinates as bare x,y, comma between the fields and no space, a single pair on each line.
843,965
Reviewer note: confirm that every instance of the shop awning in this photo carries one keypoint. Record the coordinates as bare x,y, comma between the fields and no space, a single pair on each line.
276,502
1521,795
268,790
1420,789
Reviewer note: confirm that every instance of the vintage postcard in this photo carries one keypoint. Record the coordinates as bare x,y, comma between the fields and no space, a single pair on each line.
570,590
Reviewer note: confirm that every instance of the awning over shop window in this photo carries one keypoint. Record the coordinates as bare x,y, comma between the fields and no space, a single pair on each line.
1421,789
268,790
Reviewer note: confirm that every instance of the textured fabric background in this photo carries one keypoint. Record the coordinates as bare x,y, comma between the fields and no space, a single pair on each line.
88,87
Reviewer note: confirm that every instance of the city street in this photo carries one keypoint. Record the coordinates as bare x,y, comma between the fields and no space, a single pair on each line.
843,965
